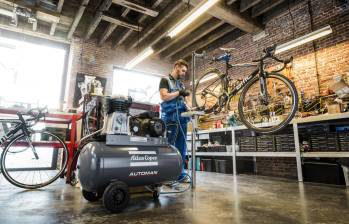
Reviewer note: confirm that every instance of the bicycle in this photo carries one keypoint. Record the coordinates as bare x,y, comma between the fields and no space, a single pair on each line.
268,100
31,159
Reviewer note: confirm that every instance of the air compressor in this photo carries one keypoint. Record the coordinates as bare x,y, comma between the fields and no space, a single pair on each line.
134,152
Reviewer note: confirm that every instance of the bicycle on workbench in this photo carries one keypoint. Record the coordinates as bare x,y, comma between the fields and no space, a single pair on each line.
31,158
268,100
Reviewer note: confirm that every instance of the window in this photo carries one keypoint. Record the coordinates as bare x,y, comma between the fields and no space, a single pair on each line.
30,74
142,87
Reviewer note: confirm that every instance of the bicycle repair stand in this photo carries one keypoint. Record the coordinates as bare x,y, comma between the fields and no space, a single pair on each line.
193,115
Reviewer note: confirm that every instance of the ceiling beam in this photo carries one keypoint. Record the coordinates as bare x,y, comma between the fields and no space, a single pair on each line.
137,7
223,40
124,34
161,33
59,10
246,4
111,27
162,19
34,33
188,37
42,13
229,2
264,6
122,22
204,41
97,18
232,16
77,18
167,42
195,35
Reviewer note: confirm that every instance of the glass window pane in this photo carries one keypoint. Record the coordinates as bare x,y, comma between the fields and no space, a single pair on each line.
142,87
30,73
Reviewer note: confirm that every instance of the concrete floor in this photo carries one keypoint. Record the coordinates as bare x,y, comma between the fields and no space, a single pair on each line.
218,198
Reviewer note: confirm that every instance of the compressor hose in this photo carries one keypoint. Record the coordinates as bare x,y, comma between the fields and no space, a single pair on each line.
176,183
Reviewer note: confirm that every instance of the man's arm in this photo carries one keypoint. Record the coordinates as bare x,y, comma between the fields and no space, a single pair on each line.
186,102
166,96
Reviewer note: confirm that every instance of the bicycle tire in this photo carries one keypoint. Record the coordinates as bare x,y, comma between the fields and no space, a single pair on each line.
12,180
283,124
198,91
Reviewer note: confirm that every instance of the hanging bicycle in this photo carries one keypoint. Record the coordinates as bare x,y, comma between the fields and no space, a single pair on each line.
264,95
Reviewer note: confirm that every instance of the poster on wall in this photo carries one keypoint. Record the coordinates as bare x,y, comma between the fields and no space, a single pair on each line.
86,83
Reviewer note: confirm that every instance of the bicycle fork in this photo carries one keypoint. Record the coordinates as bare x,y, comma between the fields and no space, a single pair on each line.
32,147
26,132
263,88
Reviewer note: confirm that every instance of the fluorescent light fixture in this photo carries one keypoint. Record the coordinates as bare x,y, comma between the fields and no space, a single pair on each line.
139,58
304,39
193,15
207,78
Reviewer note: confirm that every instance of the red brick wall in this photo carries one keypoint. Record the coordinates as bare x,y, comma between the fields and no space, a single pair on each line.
332,54
88,58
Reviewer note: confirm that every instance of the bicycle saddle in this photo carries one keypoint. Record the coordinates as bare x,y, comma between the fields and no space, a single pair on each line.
270,50
230,49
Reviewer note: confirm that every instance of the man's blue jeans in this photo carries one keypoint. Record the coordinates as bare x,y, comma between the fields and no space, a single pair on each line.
176,135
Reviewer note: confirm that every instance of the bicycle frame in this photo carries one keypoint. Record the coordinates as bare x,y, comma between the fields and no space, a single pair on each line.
242,84
21,126
12,132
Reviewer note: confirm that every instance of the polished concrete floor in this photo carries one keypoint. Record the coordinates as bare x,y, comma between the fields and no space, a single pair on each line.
217,199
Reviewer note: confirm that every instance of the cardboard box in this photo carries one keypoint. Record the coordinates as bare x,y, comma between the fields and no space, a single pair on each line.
334,108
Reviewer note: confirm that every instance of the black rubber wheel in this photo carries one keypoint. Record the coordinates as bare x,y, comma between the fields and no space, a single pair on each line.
271,129
41,177
91,196
116,197
208,89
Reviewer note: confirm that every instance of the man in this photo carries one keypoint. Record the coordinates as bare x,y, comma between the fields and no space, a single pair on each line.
173,93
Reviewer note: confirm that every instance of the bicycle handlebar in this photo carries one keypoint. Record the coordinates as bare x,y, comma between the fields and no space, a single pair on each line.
35,113
270,53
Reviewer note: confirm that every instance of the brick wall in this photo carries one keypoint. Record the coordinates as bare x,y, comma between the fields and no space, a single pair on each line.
88,58
332,53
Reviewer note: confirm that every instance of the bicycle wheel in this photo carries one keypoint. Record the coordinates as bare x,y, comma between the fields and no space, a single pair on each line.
34,161
208,89
273,115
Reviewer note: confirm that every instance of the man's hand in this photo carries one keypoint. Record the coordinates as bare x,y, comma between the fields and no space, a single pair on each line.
184,93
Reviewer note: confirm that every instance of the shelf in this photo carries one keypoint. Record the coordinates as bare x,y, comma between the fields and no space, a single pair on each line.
325,154
212,154
212,130
266,154
276,154
324,117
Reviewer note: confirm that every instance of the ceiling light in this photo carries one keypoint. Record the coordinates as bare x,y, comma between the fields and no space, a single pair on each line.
304,39
146,53
193,15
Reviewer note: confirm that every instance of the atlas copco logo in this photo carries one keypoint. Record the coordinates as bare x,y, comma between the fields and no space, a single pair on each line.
143,173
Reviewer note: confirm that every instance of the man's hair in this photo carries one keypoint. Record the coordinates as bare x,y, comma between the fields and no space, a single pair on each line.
181,62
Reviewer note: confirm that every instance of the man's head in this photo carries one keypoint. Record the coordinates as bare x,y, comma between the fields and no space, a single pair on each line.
180,68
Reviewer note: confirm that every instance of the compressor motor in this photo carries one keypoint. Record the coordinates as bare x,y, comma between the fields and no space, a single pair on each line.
117,118
120,122
147,124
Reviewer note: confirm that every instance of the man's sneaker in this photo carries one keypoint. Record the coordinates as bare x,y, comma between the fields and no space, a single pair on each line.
185,179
